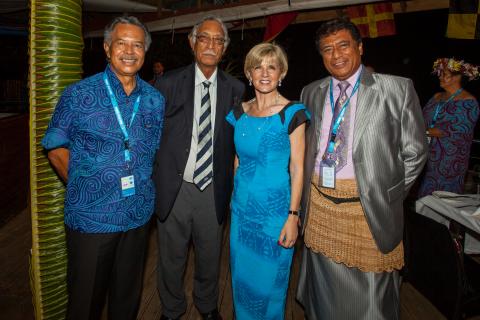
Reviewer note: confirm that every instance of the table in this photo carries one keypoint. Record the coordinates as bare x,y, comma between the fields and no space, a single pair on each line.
440,230
444,207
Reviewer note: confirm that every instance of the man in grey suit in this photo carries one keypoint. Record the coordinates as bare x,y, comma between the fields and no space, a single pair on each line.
193,171
365,147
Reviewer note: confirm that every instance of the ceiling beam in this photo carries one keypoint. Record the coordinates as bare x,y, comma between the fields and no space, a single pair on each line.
241,12
117,6
325,14
256,12
248,11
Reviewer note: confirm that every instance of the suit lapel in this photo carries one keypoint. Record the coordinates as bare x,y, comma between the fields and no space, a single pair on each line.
221,109
367,95
318,101
189,95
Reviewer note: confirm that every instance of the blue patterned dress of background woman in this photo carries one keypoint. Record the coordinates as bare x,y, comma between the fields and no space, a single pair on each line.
450,117
260,204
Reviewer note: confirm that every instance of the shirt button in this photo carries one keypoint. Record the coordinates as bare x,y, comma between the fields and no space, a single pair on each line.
187,150
180,174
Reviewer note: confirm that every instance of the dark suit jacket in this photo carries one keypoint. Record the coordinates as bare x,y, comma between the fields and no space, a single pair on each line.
389,149
178,89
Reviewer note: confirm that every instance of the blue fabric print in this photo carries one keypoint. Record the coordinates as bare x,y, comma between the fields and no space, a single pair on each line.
84,122
260,203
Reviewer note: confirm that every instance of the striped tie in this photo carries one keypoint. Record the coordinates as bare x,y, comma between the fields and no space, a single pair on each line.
340,153
202,176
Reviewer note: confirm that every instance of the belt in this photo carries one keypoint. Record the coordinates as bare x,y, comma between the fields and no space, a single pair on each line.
339,200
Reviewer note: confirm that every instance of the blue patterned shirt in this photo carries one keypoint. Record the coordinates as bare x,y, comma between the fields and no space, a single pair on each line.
84,122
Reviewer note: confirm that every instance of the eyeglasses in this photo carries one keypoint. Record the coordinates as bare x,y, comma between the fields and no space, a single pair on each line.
206,40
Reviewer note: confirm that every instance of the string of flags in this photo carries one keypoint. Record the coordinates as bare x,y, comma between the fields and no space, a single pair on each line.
377,20
463,22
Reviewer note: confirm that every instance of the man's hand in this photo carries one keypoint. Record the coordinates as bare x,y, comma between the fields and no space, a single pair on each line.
59,159
435,132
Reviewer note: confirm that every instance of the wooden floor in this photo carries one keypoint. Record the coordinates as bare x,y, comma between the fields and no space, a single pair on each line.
15,297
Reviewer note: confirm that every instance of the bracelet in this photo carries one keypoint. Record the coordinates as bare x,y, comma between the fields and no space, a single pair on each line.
294,212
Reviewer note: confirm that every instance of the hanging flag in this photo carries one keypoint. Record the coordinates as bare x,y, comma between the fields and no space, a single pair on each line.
373,20
463,22
276,23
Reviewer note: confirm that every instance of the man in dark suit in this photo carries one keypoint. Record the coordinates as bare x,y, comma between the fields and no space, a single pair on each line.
194,171
363,153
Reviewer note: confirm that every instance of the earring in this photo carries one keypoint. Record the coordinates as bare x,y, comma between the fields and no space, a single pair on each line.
280,82
250,82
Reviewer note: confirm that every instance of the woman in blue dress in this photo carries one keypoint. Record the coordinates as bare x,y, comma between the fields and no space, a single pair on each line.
450,117
270,143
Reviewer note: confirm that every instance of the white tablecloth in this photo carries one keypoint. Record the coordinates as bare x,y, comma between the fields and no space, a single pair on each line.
465,209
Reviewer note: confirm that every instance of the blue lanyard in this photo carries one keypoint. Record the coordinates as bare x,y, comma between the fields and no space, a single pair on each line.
440,105
119,116
338,121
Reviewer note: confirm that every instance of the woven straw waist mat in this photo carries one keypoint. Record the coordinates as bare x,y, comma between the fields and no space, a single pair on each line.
337,228
345,191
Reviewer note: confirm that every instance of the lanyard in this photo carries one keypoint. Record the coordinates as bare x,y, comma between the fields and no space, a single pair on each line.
119,116
440,105
338,121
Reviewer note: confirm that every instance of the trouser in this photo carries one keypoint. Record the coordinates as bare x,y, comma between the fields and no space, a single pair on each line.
331,290
192,217
101,263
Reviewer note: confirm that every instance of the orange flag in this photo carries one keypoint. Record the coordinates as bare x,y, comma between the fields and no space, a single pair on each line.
276,23
373,20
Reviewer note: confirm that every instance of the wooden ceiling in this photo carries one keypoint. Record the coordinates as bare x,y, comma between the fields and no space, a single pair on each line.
162,15
252,13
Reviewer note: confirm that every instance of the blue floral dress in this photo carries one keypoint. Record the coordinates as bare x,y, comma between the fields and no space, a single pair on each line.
448,156
260,203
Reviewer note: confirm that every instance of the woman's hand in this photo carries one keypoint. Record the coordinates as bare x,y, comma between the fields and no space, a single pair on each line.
435,132
289,232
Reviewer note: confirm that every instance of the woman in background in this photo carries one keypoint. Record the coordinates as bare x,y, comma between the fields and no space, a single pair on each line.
270,143
450,117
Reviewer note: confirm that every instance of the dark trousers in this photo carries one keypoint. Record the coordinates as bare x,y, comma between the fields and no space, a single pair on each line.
101,263
192,217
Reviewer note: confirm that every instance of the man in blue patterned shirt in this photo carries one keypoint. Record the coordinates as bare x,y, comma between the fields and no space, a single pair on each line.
101,141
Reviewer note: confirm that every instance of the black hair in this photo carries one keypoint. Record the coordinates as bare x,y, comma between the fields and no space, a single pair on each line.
107,34
333,26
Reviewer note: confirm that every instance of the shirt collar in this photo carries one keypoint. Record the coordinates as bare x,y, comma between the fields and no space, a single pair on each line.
353,78
200,77
117,85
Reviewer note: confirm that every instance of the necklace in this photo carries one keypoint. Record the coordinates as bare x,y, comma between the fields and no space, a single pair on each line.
440,105
269,107
258,123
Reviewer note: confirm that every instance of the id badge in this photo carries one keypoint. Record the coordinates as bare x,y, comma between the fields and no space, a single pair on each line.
128,186
328,177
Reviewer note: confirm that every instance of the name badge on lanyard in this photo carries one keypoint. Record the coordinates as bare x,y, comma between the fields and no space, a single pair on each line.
328,176
127,182
327,165
128,186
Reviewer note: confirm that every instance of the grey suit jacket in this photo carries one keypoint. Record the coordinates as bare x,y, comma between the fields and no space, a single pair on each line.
389,149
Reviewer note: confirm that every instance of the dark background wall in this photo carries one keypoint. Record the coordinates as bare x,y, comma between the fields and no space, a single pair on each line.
420,39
